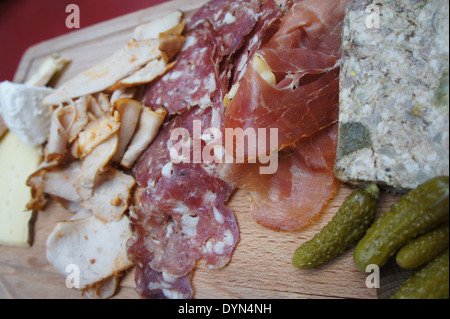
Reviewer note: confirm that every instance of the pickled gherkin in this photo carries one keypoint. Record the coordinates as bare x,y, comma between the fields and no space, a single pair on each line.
424,248
430,282
347,227
421,210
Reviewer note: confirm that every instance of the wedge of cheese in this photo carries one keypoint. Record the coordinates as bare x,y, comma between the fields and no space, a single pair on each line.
23,111
17,162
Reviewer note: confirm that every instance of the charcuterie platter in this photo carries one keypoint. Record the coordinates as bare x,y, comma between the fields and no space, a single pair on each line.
261,264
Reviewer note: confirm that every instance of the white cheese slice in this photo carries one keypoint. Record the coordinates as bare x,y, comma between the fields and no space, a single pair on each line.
23,111
17,162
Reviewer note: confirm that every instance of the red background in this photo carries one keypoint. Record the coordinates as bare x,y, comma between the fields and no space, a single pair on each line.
24,23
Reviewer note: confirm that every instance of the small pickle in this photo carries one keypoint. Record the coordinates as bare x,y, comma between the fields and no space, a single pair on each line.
429,282
424,248
347,227
421,210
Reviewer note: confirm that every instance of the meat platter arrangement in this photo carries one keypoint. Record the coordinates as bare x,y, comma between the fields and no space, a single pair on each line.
327,120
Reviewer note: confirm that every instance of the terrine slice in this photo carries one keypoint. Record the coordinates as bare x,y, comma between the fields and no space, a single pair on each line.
394,93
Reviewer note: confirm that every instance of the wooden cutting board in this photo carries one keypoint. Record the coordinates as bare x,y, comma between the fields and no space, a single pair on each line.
261,266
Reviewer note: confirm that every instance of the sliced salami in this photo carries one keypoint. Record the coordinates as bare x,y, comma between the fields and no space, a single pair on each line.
180,215
232,20
149,167
186,220
194,79
215,32
150,283
156,285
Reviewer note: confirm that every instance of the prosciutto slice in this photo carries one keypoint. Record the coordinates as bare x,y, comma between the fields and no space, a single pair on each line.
269,15
294,196
303,54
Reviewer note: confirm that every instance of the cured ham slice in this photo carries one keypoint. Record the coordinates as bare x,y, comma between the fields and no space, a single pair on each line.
302,103
295,113
293,197
269,14
315,24
303,55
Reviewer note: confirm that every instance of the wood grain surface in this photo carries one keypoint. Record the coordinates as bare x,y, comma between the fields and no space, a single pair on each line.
261,266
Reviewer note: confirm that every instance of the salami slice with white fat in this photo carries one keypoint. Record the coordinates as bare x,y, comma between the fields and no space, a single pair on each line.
152,284
232,20
193,80
216,31
180,221
186,212
180,216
